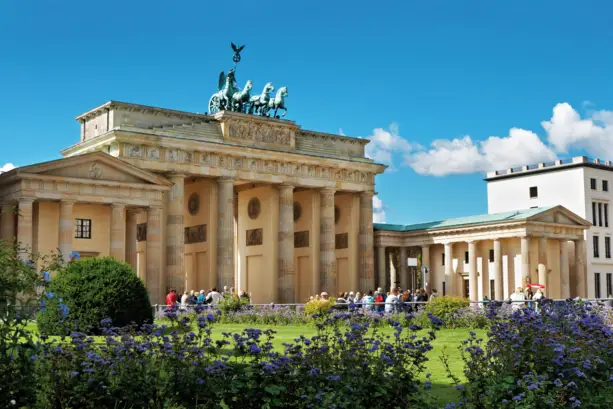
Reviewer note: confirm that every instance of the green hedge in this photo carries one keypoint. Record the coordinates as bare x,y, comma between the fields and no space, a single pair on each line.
85,292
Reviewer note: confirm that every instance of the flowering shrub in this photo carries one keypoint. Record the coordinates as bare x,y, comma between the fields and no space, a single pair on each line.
446,308
318,306
180,364
559,357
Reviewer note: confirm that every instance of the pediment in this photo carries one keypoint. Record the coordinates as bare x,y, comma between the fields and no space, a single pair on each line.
95,166
560,215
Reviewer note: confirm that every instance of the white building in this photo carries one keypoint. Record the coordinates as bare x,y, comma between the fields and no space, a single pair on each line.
580,185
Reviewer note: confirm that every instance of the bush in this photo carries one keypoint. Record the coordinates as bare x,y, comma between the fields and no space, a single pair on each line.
559,357
318,306
85,292
446,307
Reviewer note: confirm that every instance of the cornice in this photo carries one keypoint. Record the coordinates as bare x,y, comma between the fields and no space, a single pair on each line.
118,105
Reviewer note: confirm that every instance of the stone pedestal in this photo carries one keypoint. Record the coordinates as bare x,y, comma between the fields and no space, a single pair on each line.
287,276
498,283
327,258
118,231
225,233
24,226
175,233
154,277
365,249
67,230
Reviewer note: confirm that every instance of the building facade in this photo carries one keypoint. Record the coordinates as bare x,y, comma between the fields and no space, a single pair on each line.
579,184
487,255
196,201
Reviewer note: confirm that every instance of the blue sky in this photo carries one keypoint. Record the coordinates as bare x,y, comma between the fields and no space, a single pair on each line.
404,73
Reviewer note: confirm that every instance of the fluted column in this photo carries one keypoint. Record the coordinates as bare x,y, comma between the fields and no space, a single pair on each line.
287,276
66,231
225,232
24,225
131,216
542,267
498,283
425,262
118,231
525,262
473,285
404,274
154,276
366,259
8,222
580,268
381,263
175,233
327,256
564,270
449,274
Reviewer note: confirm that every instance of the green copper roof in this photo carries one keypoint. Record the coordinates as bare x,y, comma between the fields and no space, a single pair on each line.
464,221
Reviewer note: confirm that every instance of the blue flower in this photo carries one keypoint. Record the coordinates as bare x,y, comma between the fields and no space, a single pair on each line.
74,256
50,295
46,276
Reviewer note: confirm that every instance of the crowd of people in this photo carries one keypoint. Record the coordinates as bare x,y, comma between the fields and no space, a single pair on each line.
381,301
202,297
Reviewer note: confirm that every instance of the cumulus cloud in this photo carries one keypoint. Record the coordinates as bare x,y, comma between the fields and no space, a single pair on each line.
6,167
378,210
564,131
384,143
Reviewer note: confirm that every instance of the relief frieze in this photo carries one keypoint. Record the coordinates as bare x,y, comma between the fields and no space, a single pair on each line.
259,132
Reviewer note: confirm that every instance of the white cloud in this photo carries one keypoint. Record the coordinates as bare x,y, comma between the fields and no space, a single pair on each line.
6,167
385,143
378,210
566,130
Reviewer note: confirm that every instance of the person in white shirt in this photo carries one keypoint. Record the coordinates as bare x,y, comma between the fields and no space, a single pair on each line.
214,297
537,297
391,302
518,295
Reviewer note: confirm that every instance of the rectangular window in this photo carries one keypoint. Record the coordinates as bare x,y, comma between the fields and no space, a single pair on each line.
492,290
444,288
443,259
609,285
491,255
534,192
593,184
84,229
596,250
607,247
600,214
466,257
597,284
606,215
605,185
594,222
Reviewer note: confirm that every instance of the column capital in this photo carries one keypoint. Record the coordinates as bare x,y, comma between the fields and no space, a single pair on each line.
26,199
176,175
367,193
68,201
118,205
328,190
284,186
472,241
225,179
155,207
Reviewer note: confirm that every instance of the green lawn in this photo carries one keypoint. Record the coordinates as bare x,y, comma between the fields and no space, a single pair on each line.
447,341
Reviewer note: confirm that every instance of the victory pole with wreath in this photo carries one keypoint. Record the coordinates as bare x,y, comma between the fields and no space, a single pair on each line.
229,97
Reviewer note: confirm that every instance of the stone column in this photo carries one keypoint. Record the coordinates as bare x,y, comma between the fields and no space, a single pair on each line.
366,262
225,232
287,275
8,222
381,264
425,261
404,274
542,267
525,261
175,233
564,270
154,276
118,231
449,274
24,225
473,285
580,268
131,216
498,283
66,231
327,256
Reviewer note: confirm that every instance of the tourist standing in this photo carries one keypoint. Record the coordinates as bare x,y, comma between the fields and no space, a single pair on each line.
434,294
391,302
517,296
184,299
201,297
214,297
171,298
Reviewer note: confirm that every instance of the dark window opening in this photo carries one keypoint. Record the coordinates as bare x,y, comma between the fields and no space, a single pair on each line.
600,214
605,185
609,285
443,259
492,290
534,192
83,229
594,214
444,288
466,257
491,255
596,250
593,184
606,215
607,247
597,284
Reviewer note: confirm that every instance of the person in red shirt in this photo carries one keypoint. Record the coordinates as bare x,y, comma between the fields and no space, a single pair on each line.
171,298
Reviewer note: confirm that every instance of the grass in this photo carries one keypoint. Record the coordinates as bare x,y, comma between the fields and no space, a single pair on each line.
447,342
